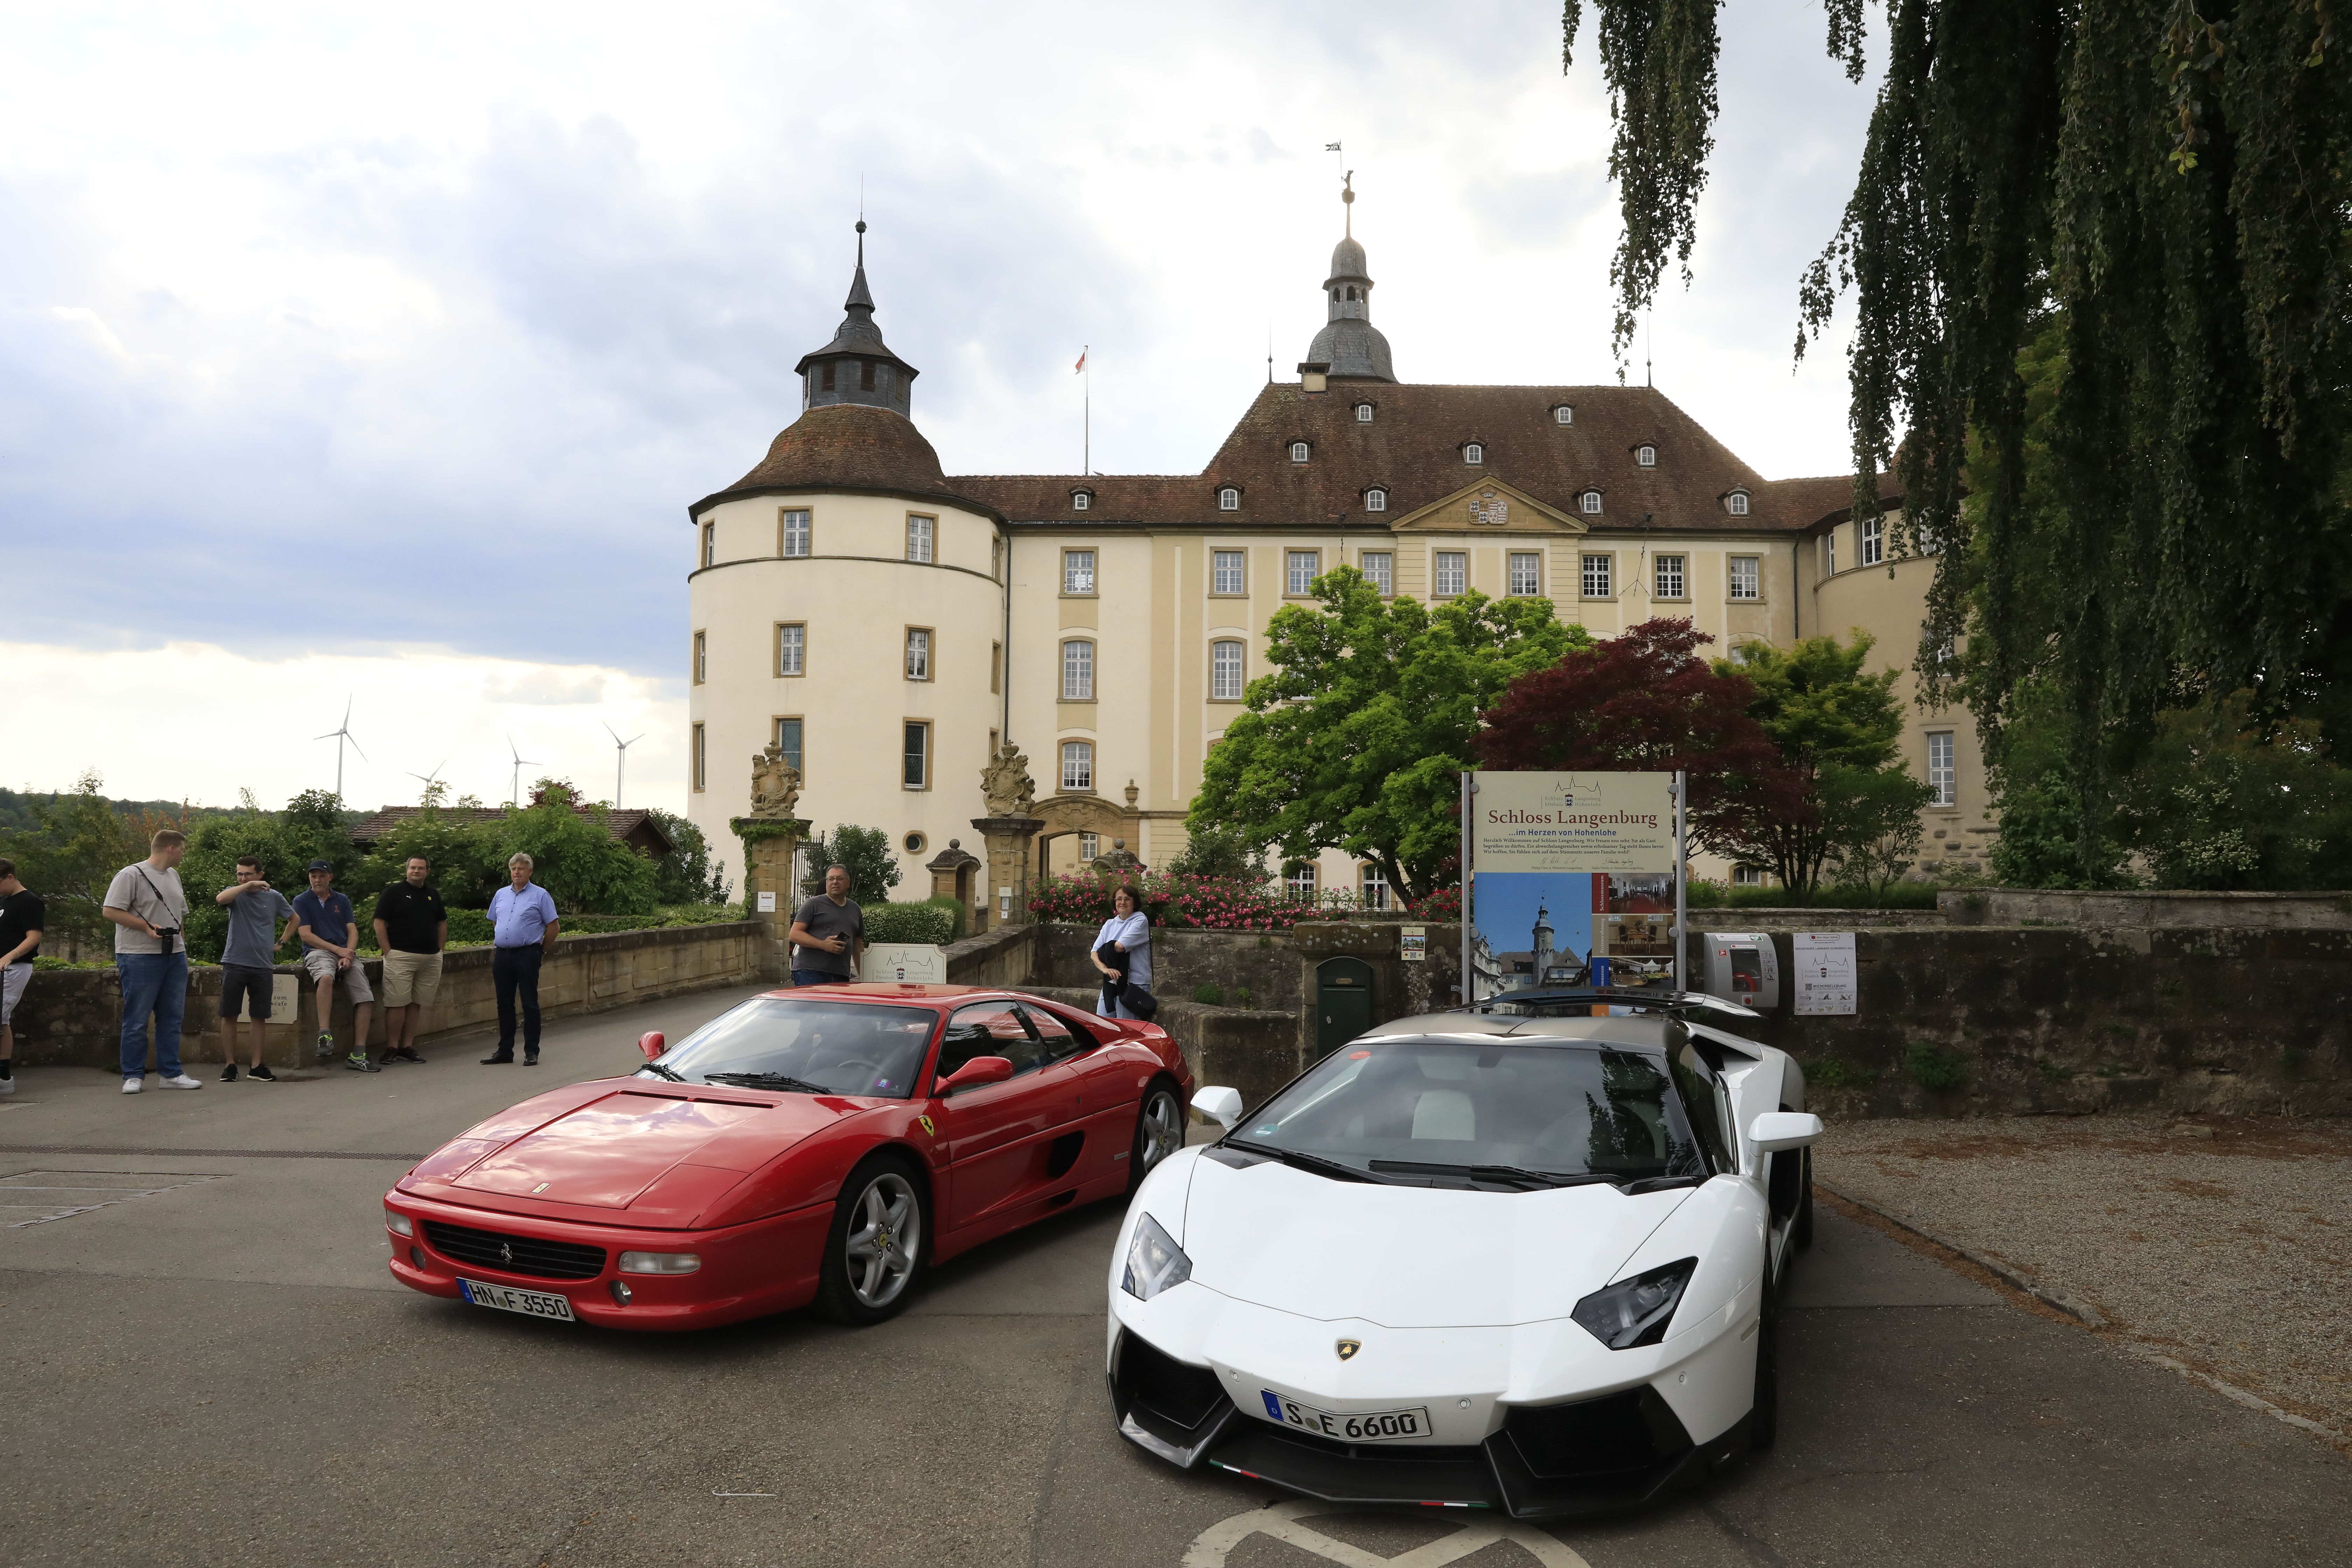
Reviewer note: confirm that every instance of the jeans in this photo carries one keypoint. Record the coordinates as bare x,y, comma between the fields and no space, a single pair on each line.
154,983
820,977
514,970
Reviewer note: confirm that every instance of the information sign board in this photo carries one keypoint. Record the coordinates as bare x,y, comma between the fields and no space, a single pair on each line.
1824,973
1571,822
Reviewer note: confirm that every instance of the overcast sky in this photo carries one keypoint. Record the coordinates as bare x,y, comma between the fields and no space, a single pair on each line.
379,351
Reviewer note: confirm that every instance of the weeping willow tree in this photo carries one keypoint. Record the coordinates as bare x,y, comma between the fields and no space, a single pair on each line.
2167,192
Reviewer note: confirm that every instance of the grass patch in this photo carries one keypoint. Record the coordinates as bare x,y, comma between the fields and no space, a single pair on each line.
1242,997
1834,1072
1209,995
1933,1068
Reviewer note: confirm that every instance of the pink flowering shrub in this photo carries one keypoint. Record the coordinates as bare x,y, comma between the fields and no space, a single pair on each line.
1214,903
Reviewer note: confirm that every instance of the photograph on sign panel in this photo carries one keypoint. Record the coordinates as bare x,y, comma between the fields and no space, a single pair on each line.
1530,928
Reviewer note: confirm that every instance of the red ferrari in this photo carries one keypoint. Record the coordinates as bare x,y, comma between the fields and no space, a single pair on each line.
825,1143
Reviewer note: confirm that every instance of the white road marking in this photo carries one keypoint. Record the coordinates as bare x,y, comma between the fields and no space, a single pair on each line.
1213,1546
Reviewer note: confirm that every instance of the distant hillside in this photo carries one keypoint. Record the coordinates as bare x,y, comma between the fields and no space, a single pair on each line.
16,807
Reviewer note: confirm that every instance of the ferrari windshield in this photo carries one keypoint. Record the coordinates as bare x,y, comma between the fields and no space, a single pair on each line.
1484,1112
809,1048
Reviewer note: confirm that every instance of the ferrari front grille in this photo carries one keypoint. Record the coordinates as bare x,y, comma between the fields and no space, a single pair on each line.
529,1255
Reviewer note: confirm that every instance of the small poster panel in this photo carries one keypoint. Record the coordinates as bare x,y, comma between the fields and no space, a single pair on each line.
767,903
1412,944
1824,973
905,963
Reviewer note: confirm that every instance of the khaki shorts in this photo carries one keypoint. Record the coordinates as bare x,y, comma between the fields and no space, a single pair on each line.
411,977
321,966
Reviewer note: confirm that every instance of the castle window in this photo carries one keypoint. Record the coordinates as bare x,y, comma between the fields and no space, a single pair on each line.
1078,670
1747,578
696,762
1563,415
1376,500
1452,574
1669,581
1474,452
1363,414
791,532
1375,887
1225,671
701,658
791,647
1525,578
915,761
788,741
710,544
1077,764
1647,457
918,653
865,375
921,532
1874,541
1080,501
1748,875
1298,882
1596,576
1942,777
1300,568
1299,451
1229,500
824,375
1089,846
1078,572
1351,290
1591,503
1380,570
1737,503
1228,572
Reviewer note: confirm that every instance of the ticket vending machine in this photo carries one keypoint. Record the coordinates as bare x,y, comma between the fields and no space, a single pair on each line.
1742,967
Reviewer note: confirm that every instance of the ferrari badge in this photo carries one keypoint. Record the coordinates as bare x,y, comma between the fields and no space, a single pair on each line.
928,1128
1347,1349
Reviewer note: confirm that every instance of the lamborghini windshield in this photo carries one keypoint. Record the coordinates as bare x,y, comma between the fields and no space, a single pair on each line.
1482,1113
805,1047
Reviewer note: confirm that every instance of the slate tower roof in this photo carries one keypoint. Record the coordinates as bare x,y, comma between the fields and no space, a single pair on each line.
858,366
1348,344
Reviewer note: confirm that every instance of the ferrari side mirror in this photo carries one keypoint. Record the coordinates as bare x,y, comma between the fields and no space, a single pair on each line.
1777,1130
973,1073
652,1043
1220,1105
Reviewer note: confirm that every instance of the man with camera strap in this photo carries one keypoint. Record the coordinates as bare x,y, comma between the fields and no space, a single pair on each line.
150,911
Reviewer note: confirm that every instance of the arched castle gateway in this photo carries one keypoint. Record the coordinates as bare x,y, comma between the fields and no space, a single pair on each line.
890,626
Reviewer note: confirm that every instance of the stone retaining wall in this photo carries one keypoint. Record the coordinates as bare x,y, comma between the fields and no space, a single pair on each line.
73,1017
2110,911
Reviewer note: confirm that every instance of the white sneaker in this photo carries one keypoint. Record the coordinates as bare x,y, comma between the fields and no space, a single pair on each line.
182,1081
131,1086
8,1085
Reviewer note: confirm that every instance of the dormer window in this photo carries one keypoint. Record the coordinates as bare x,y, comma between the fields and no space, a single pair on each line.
1736,503
1473,452
1591,502
1563,415
1376,500
1646,457
1299,451
1228,498
1082,500
1363,414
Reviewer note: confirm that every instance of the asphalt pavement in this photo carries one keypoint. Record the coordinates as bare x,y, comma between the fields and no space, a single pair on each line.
207,1361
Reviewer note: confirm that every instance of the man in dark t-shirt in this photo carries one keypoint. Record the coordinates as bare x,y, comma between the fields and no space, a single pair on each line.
22,916
828,934
412,928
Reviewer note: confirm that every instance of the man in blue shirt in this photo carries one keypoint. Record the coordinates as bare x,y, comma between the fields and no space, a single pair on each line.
330,957
523,924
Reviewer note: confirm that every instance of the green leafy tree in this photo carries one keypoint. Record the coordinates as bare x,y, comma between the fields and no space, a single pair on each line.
2165,191
1226,850
1355,740
574,855
864,853
687,874
313,827
2228,802
1839,731
76,843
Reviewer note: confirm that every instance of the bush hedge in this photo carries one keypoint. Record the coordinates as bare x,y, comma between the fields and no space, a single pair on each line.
928,921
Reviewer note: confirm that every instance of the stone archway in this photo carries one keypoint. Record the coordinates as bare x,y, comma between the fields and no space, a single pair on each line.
1064,815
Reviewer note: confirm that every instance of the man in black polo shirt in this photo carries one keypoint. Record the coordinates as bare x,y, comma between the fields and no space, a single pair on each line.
411,929
22,916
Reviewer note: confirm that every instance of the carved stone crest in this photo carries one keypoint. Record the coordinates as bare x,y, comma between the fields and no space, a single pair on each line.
775,786
1004,783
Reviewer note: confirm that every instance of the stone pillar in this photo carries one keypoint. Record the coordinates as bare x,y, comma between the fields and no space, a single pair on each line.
768,845
1008,839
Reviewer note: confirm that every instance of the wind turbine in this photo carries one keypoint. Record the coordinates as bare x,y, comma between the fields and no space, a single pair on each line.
430,778
520,762
622,770
338,735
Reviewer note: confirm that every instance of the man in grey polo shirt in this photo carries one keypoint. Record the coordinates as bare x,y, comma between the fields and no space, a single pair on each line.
828,934
247,977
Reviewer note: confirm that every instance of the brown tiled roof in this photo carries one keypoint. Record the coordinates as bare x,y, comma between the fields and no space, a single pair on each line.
1412,448
637,828
846,447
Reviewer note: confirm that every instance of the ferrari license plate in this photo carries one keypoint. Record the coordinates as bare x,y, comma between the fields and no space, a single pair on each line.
506,1299
1347,1427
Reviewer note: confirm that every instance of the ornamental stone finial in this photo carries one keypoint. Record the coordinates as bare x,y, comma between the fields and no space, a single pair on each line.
775,786
1005,784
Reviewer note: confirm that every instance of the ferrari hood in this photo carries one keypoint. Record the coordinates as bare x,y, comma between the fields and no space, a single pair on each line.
1408,1257
605,1151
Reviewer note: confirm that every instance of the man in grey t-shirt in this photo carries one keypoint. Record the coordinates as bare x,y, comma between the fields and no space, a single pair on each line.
828,935
255,908
148,908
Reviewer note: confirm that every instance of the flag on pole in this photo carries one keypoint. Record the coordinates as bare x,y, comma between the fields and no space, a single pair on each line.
1081,365
1330,146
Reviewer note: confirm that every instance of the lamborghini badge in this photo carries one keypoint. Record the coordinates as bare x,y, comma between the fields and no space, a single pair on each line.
1347,1349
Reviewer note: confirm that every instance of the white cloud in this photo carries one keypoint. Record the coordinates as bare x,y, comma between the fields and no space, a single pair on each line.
197,721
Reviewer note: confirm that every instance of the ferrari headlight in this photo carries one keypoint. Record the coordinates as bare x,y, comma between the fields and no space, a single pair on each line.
1154,1262
397,1223
1635,1312
660,1262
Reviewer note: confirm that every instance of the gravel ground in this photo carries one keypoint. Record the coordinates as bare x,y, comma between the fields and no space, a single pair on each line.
2223,1243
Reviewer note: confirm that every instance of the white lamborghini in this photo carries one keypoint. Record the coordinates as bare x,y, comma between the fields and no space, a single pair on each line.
1523,1262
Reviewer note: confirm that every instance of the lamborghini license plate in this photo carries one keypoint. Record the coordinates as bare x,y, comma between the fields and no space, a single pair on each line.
507,1299
1350,1426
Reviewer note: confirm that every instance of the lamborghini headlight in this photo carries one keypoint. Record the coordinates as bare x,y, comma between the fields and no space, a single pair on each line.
1635,1312
1154,1262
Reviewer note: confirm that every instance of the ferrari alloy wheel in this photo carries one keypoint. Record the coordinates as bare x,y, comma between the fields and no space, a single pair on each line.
875,1247
1159,1131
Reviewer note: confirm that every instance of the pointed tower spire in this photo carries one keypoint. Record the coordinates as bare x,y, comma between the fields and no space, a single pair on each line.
1348,344
858,366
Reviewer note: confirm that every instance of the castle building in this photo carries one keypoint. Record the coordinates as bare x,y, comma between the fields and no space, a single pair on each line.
889,625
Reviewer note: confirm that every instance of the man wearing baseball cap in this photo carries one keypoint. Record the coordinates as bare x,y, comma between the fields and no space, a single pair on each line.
329,940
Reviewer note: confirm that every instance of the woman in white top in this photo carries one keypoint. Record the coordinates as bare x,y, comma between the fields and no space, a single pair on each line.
1127,932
